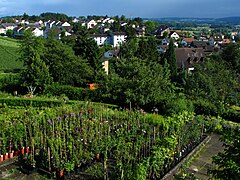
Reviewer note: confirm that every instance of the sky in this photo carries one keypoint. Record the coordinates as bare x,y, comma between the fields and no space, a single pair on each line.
129,8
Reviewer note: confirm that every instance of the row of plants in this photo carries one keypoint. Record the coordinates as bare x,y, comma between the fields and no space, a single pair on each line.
75,137
26,102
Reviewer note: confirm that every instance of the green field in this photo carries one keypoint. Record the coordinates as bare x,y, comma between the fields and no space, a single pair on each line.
9,54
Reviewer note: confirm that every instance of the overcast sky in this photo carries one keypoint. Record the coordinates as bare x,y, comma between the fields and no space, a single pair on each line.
129,8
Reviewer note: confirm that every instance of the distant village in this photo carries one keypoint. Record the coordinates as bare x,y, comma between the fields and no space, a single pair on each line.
190,48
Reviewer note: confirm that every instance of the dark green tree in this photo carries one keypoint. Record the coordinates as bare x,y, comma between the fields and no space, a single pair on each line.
170,56
36,72
87,48
147,49
141,83
64,66
211,80
231,54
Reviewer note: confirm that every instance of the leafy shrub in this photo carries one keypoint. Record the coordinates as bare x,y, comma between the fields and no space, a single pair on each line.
232,115
204,107
30,102
73,93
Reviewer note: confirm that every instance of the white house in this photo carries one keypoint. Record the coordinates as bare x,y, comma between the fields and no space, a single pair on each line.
102,39
66,24
91,24
9,26
50,24
75,20
2,29
118,39
174,35
37,32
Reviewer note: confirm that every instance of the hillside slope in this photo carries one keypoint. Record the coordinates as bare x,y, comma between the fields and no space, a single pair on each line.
9,54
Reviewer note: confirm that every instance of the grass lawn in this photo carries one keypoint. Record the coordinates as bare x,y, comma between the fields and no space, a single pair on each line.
9,53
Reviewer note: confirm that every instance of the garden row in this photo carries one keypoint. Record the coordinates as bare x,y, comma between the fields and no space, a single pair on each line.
74,137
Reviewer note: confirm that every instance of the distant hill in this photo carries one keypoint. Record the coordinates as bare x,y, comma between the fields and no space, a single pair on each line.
230,20
8,54
225,20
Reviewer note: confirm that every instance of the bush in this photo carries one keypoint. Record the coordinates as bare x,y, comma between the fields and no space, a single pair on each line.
204,107
30,102
231,115
73,93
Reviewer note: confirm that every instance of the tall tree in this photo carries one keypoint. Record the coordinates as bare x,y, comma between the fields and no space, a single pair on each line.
232,56
36,72
170,56
141,83
64,66
87,48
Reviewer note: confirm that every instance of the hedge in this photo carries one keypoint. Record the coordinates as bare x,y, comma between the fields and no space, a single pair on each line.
30,102
73,93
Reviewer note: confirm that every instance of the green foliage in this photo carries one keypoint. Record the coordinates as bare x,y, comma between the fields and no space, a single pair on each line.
170,56
211,81
36,73
231,55
9,33
87,48
73,93
227,162
177,104
64,66
26,102
143,84
150,26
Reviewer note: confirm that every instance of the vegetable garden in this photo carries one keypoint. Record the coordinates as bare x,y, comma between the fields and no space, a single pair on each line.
94,141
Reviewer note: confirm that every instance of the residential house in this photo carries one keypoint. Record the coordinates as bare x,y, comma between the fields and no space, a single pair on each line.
76,20
106,57
37,32
65,24
124,24
91,24
199,44
10,26
2,29
50,24
187,57
108,20
118,38
159,32
215,40
174,35
102,39
187,41
165,41
114,39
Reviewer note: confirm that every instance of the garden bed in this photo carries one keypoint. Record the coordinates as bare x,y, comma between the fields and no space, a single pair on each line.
68,140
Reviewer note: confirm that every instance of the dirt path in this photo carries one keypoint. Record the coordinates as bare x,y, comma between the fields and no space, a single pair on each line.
203,161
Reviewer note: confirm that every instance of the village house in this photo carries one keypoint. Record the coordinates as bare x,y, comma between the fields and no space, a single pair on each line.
174,35
91,23
114,39
187,57
159,32
187,42
118,38
102,39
